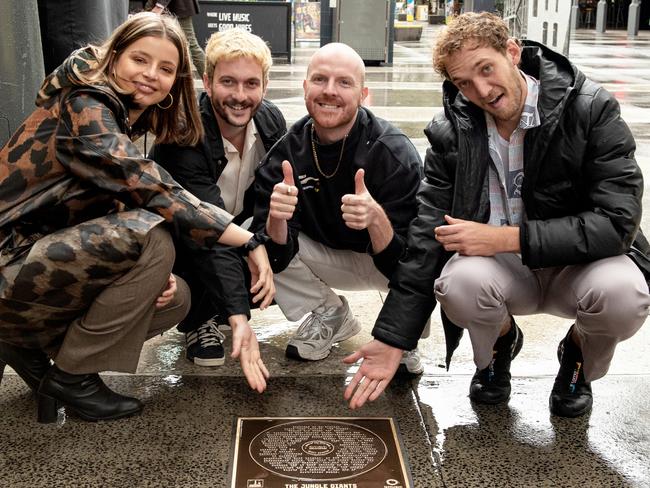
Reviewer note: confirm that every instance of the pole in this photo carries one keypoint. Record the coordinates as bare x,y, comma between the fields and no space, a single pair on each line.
575,16
633,18
601,16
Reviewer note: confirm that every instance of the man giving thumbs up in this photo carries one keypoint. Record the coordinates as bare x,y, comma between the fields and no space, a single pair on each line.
336,196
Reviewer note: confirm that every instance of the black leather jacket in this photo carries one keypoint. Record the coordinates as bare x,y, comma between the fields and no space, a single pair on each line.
582,189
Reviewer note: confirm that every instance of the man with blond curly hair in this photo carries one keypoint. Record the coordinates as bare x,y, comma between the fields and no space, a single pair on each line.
240,127
531,203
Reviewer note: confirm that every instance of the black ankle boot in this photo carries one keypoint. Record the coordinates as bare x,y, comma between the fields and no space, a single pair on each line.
30,364
491,385
571,395
84,394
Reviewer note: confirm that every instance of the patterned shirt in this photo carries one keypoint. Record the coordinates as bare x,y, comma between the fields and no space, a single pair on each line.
506,172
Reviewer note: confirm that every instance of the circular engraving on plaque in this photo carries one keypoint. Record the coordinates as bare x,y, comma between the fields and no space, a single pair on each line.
317,450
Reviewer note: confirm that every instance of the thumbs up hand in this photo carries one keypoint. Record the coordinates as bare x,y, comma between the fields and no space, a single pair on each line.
282,205
359,210
285,195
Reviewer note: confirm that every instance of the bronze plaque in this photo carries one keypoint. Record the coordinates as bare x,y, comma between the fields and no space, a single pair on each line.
317,452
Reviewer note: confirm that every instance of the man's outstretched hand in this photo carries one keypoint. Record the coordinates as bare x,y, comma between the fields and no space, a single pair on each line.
379,364
247,350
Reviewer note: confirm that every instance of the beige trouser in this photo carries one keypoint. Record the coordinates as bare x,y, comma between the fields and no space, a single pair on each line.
110,334
607,298
306,284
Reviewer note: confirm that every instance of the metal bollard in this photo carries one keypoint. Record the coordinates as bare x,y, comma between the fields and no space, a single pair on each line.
633,17
601,17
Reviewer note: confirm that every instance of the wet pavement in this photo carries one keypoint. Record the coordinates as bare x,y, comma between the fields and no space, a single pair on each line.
184,436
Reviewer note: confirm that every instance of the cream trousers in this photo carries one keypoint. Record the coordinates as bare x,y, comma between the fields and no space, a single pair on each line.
607,298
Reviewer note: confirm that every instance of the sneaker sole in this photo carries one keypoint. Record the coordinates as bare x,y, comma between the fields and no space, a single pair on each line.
208,362
292,351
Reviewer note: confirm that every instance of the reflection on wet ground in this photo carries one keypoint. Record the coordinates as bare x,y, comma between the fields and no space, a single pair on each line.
527,447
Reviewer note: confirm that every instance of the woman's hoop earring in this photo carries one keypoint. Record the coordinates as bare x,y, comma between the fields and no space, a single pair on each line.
171,102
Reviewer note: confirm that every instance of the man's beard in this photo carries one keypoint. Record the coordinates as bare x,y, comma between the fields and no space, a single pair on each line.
220,110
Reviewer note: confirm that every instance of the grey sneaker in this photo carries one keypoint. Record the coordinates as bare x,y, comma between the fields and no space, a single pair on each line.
318,332
410,363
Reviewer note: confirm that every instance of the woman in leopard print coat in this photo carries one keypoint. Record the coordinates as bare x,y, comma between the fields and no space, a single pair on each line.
85,221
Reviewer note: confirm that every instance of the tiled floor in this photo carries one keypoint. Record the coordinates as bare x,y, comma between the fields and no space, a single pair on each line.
184,436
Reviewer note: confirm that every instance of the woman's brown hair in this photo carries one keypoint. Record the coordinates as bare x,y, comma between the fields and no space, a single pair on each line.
178,124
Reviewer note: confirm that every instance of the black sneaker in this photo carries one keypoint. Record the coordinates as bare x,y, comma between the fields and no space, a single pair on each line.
204,345
571,395
491,385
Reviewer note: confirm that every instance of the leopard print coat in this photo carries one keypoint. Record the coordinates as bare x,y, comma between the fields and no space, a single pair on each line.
76,202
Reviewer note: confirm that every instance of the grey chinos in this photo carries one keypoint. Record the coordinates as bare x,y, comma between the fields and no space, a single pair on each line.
608,299
306,284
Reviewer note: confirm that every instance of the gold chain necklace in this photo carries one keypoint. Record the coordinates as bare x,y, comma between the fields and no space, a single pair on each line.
313,150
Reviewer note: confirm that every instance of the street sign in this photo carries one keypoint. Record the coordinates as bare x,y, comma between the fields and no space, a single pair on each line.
269,20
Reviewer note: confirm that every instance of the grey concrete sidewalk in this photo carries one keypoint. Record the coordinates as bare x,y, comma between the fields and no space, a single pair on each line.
184,436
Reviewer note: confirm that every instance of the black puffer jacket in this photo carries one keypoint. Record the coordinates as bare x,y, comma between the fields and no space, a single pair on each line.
582,189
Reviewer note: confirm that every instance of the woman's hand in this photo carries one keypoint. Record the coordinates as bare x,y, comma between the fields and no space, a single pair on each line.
168,293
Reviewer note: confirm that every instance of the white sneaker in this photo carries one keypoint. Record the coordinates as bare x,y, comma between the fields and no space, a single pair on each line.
410,363
318,332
